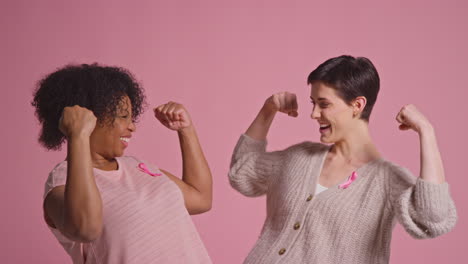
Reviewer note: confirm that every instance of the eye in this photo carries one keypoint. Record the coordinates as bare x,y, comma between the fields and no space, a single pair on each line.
324,105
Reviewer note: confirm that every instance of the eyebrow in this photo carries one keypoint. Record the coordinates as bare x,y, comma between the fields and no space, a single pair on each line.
123,112
320,99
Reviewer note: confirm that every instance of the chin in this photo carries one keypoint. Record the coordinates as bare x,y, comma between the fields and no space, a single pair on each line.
119,154
326,140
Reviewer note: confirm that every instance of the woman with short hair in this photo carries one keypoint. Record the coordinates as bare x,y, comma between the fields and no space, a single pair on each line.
337,201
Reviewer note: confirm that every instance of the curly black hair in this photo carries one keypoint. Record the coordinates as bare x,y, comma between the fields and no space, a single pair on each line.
95,87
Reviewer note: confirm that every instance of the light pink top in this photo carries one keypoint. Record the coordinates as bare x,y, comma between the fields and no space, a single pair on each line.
144,219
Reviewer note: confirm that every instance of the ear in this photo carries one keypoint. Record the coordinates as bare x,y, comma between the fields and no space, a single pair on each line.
358,105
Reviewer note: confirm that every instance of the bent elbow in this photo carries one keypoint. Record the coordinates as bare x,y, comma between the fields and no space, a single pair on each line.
208,205
85,234
205,206
201,207
90,235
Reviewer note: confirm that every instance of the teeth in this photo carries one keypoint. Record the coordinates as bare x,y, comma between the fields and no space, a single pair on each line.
125,139
323,125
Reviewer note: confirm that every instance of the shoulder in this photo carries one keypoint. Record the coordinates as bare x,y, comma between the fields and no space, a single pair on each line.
59,171
306,148
59,167
57,177
397,173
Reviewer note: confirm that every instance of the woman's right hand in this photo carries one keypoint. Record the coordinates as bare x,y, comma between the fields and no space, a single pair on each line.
284,102
77,120
280,102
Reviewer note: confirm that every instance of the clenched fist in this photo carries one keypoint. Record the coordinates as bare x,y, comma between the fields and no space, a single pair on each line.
173,115
77,120
409,117
284,102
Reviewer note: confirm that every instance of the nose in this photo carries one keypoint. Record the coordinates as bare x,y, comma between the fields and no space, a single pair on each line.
315,113
132,126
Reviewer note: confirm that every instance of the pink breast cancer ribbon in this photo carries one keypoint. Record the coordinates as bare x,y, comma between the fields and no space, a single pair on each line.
350,180
144,169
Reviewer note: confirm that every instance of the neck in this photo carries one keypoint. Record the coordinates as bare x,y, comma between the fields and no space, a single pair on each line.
356,147
100,162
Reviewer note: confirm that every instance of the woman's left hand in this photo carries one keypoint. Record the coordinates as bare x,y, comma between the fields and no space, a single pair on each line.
410,117
173,116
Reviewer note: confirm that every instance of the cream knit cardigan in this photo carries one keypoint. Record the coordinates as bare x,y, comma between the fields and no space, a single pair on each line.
351,225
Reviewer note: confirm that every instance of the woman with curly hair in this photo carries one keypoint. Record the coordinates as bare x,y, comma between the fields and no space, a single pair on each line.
337,201
102,206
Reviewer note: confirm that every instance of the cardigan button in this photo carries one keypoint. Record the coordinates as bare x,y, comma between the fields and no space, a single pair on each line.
309,198
282,251
297,226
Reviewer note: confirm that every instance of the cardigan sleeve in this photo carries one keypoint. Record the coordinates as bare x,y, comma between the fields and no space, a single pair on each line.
252,167
425,209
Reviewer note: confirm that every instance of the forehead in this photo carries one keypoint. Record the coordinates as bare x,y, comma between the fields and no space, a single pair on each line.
124,104
321,90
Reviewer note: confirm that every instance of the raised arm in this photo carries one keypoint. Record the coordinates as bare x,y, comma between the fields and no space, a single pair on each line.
432,169
423,205
251,166
196,183
75,208
281,102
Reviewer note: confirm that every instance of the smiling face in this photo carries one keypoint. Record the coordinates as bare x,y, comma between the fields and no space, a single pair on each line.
110,141
333,114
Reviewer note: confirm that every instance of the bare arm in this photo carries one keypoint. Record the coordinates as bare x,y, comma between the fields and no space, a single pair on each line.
196,183
283,102
431,167
76,208
422,205
261,124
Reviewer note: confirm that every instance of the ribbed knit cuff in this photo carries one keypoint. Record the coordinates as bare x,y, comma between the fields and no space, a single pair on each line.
432,199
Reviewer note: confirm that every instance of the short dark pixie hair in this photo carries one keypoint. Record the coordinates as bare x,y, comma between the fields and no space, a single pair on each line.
350,77
98,88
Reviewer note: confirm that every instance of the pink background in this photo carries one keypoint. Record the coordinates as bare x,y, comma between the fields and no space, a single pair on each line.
222,59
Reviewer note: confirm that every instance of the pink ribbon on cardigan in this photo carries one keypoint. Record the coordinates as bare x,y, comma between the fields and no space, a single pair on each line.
350,180
143,168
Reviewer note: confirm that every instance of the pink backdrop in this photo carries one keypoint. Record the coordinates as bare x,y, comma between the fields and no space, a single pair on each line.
222,59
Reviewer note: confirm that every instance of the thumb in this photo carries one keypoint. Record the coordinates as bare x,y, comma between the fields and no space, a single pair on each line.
293,113
404,127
